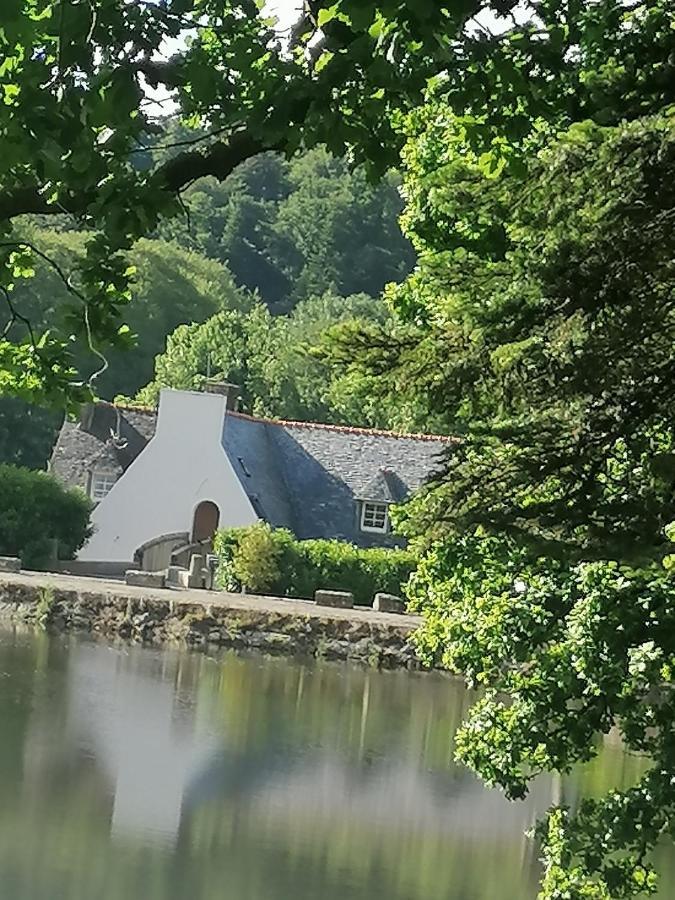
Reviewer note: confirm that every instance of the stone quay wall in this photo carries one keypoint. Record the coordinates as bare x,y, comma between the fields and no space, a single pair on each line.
268,625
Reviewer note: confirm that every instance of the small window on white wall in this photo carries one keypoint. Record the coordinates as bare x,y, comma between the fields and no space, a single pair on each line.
375,517
101,484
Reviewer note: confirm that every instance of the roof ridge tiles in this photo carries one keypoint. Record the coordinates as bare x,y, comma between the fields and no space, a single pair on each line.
296,423
345,429
129,407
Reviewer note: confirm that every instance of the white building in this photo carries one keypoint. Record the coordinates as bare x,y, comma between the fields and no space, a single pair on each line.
166,478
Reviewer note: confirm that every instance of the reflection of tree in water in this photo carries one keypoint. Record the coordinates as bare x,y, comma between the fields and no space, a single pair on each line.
316,781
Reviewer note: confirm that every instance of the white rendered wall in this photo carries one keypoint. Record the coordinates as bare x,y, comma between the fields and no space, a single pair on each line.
183,464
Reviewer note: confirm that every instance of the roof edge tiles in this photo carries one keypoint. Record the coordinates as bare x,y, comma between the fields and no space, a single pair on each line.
296,423
346,429
127,407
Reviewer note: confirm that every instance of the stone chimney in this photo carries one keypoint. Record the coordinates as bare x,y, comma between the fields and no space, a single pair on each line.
229,391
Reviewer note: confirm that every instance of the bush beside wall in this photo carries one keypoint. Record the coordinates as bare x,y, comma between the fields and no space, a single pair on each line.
35,510
272,561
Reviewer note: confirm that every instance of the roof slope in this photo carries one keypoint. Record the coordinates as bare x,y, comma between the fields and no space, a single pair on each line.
249,447
324,469
86,445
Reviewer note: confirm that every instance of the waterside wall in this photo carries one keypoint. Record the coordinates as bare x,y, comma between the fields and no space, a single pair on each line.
177,621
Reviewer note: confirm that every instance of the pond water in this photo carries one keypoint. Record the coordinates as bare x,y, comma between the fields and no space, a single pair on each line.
136,774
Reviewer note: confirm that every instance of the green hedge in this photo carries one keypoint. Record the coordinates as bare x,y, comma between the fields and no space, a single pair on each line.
35,510
272,561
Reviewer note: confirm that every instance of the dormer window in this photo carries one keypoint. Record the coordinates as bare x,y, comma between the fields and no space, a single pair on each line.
375,517
100,485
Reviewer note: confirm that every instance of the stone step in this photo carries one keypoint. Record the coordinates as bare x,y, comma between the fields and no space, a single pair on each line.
144,579
389,603
340,599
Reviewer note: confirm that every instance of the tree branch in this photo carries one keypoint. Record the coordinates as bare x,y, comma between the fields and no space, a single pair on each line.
218,160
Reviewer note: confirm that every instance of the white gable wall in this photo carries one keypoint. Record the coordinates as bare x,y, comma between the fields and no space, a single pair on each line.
182,465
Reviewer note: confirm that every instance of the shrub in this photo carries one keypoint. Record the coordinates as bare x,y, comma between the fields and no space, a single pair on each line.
36,510
256,559
268,560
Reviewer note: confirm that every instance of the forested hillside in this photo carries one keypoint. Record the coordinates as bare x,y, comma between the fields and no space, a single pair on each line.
291,229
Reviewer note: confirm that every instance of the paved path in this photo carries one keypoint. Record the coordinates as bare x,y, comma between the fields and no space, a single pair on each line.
206,598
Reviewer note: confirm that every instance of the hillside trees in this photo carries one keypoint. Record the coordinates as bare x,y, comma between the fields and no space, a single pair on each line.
292,229
270,358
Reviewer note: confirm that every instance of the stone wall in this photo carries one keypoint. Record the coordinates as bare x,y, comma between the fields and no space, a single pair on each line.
185,622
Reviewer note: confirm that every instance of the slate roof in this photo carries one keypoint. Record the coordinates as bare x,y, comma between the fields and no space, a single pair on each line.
316,473
250,447
92,443
303,476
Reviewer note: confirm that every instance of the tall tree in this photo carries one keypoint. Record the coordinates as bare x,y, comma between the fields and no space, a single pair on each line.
541,326
548,576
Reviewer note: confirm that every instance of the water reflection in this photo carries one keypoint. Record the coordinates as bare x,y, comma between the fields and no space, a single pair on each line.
129,773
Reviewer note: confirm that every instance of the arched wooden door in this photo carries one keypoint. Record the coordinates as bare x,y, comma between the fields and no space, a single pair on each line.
205,521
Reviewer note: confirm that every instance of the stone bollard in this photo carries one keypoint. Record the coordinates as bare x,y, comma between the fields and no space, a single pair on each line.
136,578
196,572
340,599
211,571
177,577
389,603
10,564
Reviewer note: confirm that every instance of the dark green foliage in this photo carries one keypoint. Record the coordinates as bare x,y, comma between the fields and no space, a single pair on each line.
551,302
36,510
271,561
292,229
540,325
27,433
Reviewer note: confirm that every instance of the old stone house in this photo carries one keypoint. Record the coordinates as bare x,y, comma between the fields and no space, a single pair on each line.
163,480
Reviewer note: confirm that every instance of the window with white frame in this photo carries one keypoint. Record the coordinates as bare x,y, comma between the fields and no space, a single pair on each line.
101,484
375,517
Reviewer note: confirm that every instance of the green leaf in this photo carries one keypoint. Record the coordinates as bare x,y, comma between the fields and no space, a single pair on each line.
323,60
327,15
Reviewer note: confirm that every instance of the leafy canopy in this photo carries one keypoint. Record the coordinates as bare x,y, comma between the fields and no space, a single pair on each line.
270,358
539,325
75,112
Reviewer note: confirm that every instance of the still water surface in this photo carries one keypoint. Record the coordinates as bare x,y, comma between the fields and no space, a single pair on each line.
136,774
